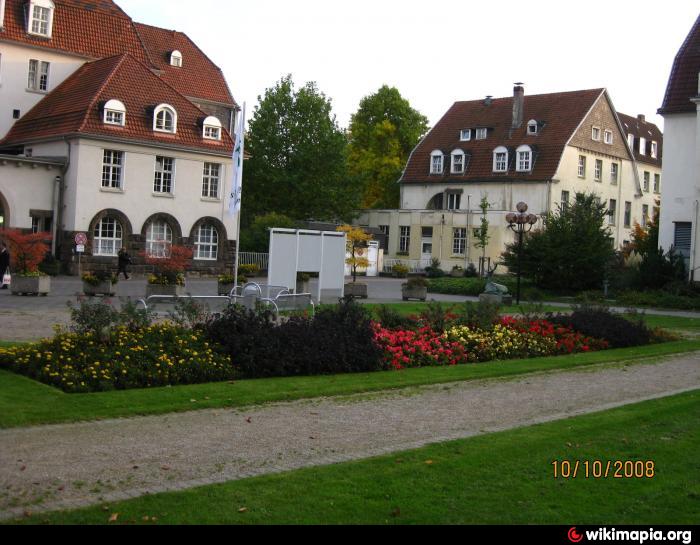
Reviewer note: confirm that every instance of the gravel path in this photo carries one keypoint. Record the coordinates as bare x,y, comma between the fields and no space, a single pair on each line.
62,466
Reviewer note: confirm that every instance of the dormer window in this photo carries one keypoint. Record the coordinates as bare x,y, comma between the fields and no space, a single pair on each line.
642,146
436,160
458,162
532,127
2,13
465,135
608,137
40,17
630,141
115,113
165,119
212,128
654,150
176,59
500,159
524,155
481,134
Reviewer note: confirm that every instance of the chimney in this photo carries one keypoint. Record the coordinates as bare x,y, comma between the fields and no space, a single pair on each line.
518,105
641,118
488,100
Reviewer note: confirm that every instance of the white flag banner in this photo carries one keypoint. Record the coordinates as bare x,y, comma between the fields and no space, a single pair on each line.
234,206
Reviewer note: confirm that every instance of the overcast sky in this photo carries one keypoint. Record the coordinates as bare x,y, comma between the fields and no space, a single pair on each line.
435,52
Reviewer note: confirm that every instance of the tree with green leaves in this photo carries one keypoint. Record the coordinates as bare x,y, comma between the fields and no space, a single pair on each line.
482,233
256,236
298,163
383,132
356,248
573,249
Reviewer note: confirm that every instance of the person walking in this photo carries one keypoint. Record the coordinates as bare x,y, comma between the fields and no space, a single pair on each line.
4,263
124,262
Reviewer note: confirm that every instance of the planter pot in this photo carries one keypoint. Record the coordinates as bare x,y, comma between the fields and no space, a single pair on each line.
160,289
30,285
356,290
456,274
414,293
225,289
302,286
103,288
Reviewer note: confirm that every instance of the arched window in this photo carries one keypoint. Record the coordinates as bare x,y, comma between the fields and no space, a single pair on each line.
212,128
115,113
524,157
165,119
108,235
176,58
532,127
436,162
458,166
40,17
159,239
500,159
206,244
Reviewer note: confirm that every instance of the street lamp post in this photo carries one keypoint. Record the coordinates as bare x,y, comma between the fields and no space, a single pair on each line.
521,223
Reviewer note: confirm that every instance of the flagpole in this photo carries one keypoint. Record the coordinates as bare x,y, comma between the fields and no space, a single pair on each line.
237,189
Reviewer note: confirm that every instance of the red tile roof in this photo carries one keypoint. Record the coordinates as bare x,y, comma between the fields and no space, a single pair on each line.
198,77
683,81
561,114
647,130
74,108
88,28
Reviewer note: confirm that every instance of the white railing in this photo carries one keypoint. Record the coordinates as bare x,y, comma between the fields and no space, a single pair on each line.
250,258
414,265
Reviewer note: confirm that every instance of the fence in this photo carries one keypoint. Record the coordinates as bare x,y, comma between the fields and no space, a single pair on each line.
414,265
250,258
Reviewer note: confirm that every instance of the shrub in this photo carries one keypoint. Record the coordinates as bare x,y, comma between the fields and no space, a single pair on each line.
436,317
169,270
602,324
96,278
249,270
189,313
480,315
95,318
434,270
457,286
160,355
391,319
471,271
416,282
399,270
27,251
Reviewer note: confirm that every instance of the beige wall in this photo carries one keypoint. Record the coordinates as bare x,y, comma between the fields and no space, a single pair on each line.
26,186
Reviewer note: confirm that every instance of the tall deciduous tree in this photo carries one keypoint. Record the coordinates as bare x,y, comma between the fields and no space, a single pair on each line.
298,163
572,251
383,133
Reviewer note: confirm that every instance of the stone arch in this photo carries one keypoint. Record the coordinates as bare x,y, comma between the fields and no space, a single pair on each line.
127,229
167,218
220,229
4,212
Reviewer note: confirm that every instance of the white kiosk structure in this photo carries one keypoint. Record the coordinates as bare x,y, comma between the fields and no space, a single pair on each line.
295,250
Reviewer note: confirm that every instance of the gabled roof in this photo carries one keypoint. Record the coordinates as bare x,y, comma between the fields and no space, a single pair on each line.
561,114
74,108
198,77
643,129
683,81
87,28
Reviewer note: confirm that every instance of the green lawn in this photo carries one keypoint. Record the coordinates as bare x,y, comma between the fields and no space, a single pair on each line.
24,402
502,478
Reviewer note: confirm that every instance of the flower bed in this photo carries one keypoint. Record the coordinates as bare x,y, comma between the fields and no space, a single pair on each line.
158,355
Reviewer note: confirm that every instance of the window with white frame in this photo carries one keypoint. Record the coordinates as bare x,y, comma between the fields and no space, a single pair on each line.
206,244
176,59
465,135
112,166
40,17
165,119
210,180
458,162
532,127
404,239
645,215
612,212
608,137
657,183
654,149
159,239
212,128
595,134
614,173
581,166
500,159
107,237
630,141
628,214
647,180
38,77
642,146
459,241
115,113
454,201
2,13
524,154
481,134
165,170
436,160
598,171
565,199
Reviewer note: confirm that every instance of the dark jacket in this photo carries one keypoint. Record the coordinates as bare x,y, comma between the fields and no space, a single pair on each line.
4,261
124,259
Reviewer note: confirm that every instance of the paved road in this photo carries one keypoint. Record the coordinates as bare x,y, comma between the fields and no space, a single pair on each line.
74,465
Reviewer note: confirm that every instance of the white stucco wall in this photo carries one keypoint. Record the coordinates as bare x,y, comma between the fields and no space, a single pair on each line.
85,196
14,71
26,186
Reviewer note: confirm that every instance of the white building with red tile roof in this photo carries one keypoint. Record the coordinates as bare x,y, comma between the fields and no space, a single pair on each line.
115,129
